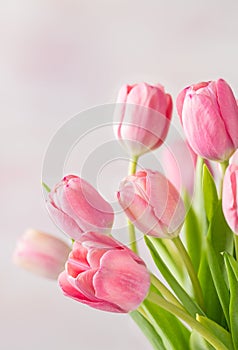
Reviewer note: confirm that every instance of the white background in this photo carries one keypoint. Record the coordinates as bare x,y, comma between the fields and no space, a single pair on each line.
56,59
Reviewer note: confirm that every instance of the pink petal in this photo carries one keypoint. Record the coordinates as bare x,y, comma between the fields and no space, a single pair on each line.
230,197
84,282
204,128
121,281
229,110
88,205
64,221
142,216
73,293
97,240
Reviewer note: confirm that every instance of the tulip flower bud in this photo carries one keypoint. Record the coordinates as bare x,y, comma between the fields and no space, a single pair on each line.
179,162
142,117
41,254
209,115
104,274
230,197
77,207
152,203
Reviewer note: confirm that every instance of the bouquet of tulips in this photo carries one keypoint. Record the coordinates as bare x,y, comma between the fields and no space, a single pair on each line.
190,300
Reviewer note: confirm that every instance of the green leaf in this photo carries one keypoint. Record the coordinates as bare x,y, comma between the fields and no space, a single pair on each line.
213,309
193,237
220,234
186,300
197,342
217,330
233,312
209,193
218,279
148,330
174,334
173,260
233,263
45,187
219,239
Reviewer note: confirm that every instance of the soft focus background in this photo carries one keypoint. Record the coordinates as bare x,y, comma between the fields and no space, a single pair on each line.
58,58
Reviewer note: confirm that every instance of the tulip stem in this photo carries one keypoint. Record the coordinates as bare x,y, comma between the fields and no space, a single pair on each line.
133,165
236,245
192,274
165,291
131,227
223,166
132,236
189,320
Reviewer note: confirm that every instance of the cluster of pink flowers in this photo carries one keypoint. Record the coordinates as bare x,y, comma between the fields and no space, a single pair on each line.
100,271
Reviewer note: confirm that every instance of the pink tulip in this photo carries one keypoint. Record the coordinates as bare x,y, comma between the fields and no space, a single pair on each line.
179,162
230,197
152,203
77,207
209,114
143,117
104,274
41,253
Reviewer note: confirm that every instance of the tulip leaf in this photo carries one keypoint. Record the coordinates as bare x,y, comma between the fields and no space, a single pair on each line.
193,236
221,333
169,253
148,330
209,193
46,187
186,300
233,286
198,342
219,239
233,263
175,337
213,309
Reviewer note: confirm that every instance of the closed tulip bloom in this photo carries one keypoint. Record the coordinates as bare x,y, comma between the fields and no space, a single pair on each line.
142,117
152,203
104,274
179,162
230,197
41,254
209,115
77,207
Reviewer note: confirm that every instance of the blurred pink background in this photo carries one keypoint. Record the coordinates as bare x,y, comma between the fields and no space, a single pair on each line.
57,58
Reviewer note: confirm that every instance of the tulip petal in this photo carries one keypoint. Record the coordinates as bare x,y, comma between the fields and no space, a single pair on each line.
229,110
75,294
203,125
121,280
77,261
88,205
64,221
84,282
142,215
230,197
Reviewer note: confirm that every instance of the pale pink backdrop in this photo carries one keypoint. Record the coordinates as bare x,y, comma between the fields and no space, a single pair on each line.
57,58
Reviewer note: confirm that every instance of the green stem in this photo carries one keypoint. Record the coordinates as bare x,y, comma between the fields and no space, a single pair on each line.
143,313
133,165
198,200
165,291
236,245
189,320
223,166
192,274
131,227
132,236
